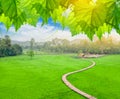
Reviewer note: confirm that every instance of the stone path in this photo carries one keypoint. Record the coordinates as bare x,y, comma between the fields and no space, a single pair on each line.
72,87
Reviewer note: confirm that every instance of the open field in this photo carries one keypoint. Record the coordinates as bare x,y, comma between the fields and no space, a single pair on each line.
40,78
102,81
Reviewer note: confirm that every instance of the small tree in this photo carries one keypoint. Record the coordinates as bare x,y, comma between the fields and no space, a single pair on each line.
31,51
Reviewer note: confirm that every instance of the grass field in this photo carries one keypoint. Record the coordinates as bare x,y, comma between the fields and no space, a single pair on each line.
102,81
40,78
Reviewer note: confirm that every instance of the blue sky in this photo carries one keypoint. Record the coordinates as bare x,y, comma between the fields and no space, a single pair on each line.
43,33
39,33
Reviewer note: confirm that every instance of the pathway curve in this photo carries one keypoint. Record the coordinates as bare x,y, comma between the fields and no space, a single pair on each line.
64,79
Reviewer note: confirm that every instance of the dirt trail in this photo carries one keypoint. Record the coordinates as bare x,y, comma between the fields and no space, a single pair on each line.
72,87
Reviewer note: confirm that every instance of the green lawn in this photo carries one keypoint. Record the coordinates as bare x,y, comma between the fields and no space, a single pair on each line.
40,78
102,81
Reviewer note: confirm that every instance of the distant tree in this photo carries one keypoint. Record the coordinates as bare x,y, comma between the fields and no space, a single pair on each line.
17,49
31,51
1,47
7,41
7,49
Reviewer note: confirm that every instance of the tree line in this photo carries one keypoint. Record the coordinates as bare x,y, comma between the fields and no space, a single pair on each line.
8,49
104,46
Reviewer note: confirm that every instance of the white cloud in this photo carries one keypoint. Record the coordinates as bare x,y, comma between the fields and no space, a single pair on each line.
46,33
40,34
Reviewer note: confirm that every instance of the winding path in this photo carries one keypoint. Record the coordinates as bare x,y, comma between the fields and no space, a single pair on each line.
72,87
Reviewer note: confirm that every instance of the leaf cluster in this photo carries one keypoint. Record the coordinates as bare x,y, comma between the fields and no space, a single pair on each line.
80,16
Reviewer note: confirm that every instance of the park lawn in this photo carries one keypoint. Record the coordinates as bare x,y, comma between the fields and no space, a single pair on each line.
39,78
102,81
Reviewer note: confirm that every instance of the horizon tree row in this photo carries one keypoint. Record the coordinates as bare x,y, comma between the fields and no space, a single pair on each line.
8,49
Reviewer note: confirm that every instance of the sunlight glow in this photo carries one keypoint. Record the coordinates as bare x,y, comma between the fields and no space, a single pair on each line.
94,1
67,11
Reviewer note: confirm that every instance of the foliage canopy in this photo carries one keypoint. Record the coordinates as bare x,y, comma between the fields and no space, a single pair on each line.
86,16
